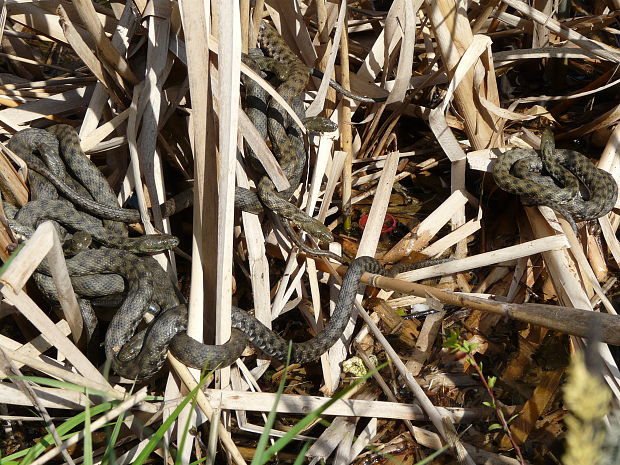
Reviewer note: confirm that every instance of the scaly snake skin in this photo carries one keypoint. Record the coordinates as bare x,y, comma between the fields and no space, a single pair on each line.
25,143
96,272
107,271
145,357
284,144
518,171
86,172
88,183
63,212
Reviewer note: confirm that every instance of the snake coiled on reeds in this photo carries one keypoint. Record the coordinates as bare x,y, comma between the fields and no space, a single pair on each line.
115,269
552,177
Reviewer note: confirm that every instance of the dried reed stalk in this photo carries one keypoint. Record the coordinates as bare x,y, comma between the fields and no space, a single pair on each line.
409,54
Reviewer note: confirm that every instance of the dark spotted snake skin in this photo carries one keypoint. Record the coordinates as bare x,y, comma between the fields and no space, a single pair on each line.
144,356
288,148
115,269
87,180
535,177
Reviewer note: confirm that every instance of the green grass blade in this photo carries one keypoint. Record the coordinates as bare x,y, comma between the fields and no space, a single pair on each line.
6,264
259,456
433,456
33,452
61,385
88,435
159,434
185,434
312,416
109,456
301,457
202,460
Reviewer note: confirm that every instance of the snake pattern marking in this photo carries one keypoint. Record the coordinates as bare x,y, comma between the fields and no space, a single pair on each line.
48,206
288,148
535,177
111,271
144,356
25,143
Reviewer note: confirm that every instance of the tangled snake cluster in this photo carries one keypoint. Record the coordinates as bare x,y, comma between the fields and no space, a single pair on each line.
553,178
105,263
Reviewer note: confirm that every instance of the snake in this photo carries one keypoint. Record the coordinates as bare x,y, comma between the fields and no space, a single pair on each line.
58,149
286,147
144,354
535,176
105,265
63,212
109,272
86,172
49,144
285,136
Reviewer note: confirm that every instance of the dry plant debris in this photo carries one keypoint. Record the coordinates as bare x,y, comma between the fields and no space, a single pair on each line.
154,90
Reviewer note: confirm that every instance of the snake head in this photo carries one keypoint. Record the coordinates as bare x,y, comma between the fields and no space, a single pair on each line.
547,143
155,243
80,241
321,233
319,124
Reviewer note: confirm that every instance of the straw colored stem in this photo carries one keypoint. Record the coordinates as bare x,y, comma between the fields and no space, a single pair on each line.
568,320
346,134
454,36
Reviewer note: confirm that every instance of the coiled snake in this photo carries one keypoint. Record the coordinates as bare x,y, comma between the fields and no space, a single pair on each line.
535,176
115,269
142,355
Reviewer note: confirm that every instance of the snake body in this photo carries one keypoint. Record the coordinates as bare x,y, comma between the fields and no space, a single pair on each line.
146,351
144,286
86,172
536,177
52,149
62,139
108,271
65,213
111,271
285,136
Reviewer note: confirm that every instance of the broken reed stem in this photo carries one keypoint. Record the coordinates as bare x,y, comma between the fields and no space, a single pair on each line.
568,320
454,36
346,135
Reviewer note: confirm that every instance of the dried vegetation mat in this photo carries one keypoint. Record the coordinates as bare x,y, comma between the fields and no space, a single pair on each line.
472,354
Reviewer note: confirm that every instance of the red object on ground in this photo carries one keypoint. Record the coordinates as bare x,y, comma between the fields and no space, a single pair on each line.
389,223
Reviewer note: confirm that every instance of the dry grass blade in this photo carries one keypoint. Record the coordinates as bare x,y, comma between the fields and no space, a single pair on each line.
489,258
100,422
26,388
158,92
89,58
13,280
592,46
229,65
109,53
62,281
